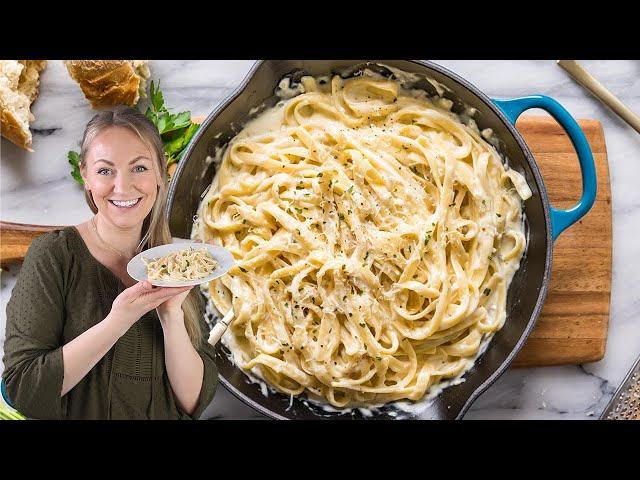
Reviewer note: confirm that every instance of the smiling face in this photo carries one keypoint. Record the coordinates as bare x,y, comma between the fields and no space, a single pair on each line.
121,172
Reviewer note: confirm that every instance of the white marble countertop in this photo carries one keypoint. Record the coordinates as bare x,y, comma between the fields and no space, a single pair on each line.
37,188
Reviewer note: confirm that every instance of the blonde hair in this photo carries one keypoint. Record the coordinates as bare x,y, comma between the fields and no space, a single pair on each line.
155,227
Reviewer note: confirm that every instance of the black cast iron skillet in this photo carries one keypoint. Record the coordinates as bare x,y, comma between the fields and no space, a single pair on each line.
543,224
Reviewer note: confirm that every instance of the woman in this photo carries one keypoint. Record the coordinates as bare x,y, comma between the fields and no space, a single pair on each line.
83,339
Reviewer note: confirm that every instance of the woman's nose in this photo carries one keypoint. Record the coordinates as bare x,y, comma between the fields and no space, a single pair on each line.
123,183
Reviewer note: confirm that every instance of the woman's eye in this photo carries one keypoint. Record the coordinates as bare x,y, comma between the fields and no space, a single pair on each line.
104,171
140,168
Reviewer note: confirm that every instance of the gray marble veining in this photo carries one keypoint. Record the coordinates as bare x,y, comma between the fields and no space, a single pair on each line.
37,188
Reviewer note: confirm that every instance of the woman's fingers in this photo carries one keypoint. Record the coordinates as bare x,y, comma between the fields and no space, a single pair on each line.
149,296
163,293
171,290
165,297
136,291
143,297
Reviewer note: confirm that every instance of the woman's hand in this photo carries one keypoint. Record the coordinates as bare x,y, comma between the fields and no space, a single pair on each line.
143,297
172,308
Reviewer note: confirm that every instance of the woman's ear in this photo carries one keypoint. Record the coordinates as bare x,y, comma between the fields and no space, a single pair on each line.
83,174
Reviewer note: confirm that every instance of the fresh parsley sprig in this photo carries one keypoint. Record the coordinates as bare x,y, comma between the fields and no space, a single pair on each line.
74,161
176,130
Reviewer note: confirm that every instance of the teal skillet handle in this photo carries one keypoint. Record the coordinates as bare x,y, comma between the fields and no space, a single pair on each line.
3,392
561,219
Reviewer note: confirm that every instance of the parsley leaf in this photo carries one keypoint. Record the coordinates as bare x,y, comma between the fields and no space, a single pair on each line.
176,130
157,99
175,148
74,161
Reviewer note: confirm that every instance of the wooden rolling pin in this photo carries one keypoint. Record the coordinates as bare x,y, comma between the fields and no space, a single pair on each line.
15,239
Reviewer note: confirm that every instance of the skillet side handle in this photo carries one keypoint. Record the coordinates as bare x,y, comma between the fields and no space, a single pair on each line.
561,219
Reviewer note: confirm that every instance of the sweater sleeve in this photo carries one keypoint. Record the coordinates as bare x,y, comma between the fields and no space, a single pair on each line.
210,376
34,332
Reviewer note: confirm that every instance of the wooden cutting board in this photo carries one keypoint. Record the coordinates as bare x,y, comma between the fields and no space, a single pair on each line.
573,326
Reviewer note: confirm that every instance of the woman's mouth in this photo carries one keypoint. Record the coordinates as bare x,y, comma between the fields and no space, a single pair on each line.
125,203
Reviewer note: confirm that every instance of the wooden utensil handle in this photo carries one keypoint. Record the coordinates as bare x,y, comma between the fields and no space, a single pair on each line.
15,239
589,82
220,327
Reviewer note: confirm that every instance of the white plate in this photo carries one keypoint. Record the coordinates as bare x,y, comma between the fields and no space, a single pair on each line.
137,269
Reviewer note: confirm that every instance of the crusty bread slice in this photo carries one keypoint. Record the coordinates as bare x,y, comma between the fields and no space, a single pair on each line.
30,77
142,69
19,85
106,83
